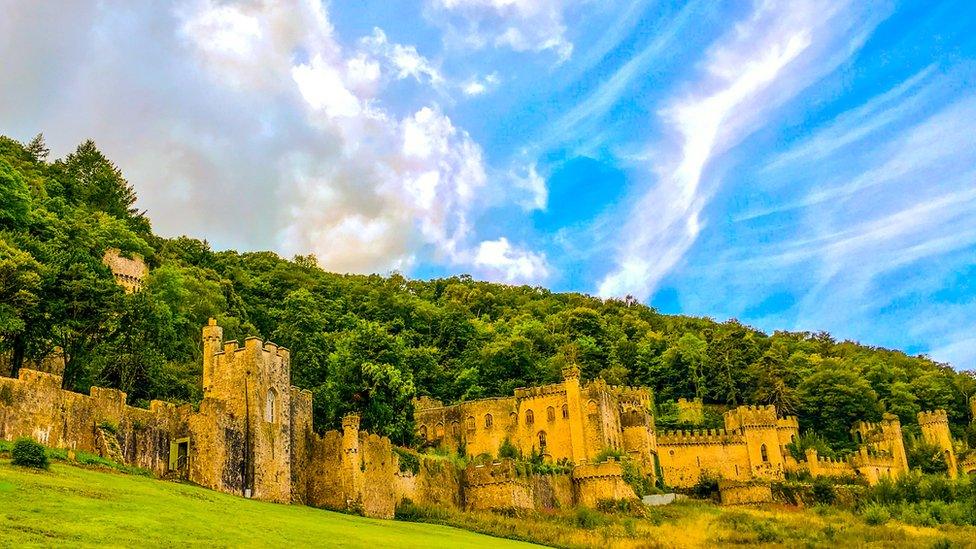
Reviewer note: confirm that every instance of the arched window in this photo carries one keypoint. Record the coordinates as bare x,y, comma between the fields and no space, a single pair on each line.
763,453
565,411
454,428
793,439
551,413
439,430
422,432
470,424
489,421
529,417
542,441
269,406
591,407
514,417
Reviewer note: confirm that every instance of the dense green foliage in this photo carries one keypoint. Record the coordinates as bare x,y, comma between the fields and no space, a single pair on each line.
922,499
372,343
27,452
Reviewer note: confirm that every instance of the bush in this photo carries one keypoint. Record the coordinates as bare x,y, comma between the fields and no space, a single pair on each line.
823,491
706,487
876,514
588,519
508,450
408,461
27,452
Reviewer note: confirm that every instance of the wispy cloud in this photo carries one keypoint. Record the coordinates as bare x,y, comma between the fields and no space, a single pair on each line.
752,69
522,25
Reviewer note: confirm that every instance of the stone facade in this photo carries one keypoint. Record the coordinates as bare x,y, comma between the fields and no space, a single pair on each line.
564,422
130,273
252,435
935,431
573,424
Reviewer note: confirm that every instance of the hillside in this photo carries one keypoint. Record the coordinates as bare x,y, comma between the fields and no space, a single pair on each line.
81,507
373,343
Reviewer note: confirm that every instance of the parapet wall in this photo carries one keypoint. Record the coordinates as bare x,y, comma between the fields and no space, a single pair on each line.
34,405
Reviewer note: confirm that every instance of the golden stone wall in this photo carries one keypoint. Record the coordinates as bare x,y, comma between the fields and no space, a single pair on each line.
685,456
563,421
935,431
744,493
128,273
600,481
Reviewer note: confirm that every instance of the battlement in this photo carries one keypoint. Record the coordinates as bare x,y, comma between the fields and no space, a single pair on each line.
571,372
350,422
108,395
751,416
497,472
423,403
699,436
40,379
128,273
544,390
933,417
606,469
788,422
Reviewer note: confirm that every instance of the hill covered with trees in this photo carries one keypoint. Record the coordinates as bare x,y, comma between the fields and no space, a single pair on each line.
372,343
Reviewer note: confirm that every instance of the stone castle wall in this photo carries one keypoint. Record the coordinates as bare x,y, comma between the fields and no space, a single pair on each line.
130,273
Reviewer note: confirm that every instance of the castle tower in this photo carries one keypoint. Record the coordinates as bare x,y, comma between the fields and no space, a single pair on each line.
352,472
574,404
758,425
253,384
935,431
213,338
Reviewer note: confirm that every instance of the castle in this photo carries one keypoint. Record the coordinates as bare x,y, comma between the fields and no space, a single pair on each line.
574,423
252,435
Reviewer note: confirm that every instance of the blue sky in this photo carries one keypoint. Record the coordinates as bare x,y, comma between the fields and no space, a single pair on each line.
796,165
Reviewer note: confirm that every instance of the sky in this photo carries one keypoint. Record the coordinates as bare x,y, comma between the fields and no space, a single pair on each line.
793,165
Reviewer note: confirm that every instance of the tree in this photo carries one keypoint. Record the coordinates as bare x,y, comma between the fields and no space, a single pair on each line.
20,284
89,178
37,148
833,398
15,198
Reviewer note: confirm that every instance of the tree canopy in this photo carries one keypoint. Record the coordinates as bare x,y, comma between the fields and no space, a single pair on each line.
372,343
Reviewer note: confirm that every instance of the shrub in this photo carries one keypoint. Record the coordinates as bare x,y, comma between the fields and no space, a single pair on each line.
823,491
27,452
408,461
706,487
926,457
508,450
876,514
109,427
588,519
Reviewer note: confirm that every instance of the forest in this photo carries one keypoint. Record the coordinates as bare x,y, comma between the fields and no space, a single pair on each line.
372,343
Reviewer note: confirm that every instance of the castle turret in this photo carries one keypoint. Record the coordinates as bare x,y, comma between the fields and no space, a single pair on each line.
574,405
759,426
352,472
213,337
935,431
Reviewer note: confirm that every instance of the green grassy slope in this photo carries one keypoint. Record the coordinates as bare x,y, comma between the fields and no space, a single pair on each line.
80,507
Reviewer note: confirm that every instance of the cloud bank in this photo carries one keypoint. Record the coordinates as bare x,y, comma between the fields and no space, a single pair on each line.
256,112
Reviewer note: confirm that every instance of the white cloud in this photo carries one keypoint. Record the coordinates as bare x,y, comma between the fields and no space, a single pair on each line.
512,264
534,184
522,25
405,60
476,86
768,57
251,125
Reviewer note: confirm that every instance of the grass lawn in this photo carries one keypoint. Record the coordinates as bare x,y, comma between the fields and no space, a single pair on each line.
73,506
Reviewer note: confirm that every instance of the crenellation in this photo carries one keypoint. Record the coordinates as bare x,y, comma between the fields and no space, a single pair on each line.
252,436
